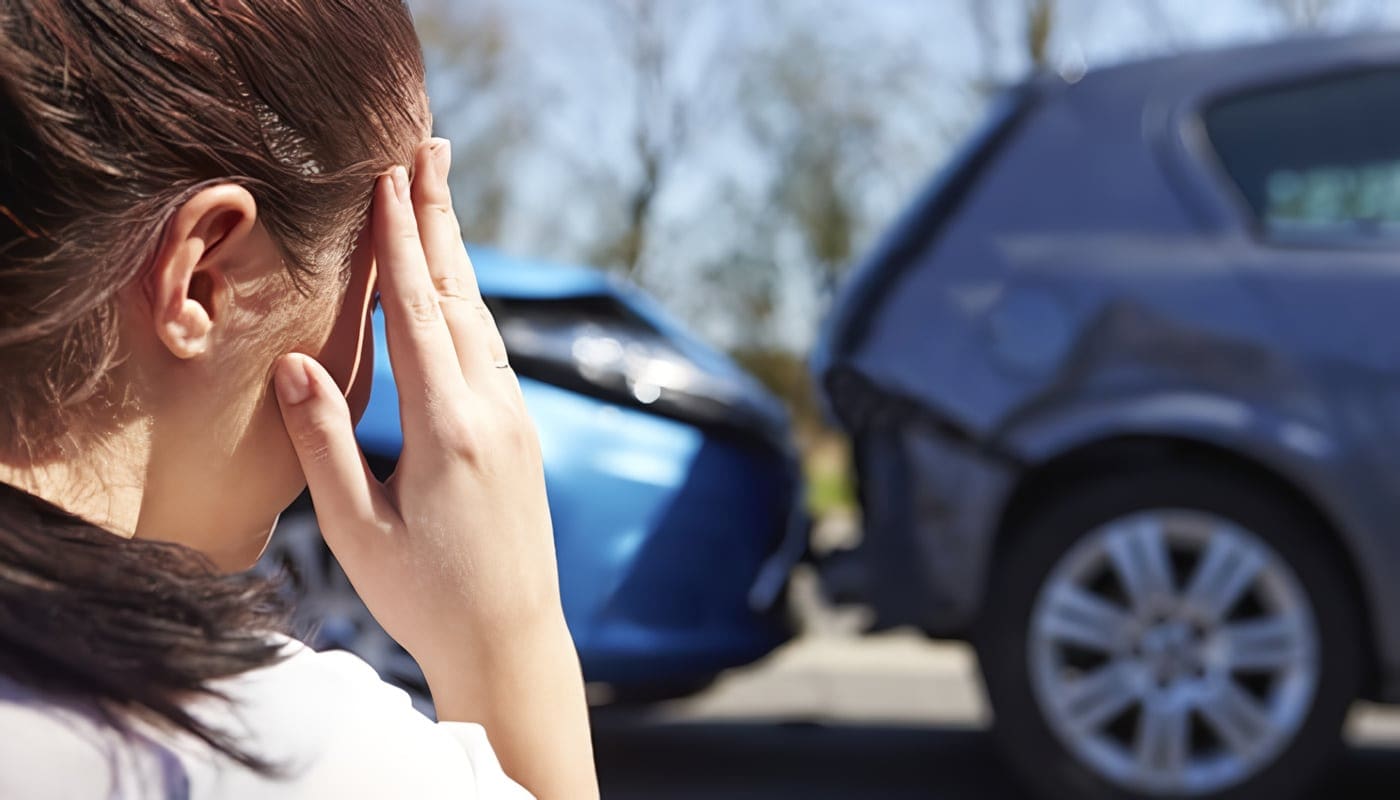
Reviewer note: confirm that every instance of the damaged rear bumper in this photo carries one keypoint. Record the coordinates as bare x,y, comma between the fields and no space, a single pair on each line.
931,500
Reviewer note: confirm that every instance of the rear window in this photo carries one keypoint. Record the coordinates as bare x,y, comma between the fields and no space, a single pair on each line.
1318,157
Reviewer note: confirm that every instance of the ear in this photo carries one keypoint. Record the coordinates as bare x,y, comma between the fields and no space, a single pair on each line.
185,282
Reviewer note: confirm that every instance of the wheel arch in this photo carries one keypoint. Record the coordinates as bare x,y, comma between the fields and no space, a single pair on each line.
1081,462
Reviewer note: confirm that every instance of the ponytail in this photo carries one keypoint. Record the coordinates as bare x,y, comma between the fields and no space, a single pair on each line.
136,627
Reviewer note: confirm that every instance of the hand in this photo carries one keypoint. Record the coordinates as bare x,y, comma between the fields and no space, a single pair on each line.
455,552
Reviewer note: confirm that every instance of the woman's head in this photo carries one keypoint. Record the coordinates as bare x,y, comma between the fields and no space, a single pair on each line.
183,191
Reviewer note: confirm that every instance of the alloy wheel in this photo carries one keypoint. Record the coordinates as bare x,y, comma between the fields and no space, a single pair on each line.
1173,651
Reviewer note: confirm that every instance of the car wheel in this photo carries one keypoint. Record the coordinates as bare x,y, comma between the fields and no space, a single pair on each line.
330,611
1170,633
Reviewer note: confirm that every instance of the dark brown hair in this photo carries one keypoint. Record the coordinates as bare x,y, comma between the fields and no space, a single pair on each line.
112,114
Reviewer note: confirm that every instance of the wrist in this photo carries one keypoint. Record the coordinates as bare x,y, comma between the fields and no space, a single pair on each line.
460,671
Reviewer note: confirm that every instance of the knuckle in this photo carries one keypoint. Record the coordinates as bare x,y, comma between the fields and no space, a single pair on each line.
319,453
440,208
313,439
488,321
423,307
309,437
506,417
459,438
448,286
519,428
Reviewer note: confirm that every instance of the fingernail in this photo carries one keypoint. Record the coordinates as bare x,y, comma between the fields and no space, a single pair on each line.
442,156
292,382
400,176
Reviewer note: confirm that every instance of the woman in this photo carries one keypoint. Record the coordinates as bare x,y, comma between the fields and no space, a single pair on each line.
198,204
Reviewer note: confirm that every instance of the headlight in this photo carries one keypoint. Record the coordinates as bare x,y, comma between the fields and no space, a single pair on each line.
598,346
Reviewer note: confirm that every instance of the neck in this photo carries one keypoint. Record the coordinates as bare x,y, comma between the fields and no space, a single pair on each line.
100,481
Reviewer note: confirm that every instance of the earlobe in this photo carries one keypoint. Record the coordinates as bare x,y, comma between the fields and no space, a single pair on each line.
186,332
185,279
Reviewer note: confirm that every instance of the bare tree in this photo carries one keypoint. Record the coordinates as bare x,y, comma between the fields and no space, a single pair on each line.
809,127
818,106
661,113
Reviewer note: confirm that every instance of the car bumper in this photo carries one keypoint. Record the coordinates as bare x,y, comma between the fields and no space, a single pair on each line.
674,543
930,506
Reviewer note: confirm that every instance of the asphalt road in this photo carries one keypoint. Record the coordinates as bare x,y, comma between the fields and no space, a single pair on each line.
893,716
737,760
815,762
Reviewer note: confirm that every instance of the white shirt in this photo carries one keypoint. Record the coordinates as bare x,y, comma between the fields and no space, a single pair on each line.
340,730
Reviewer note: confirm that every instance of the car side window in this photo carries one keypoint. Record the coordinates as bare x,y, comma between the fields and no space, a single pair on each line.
1321,157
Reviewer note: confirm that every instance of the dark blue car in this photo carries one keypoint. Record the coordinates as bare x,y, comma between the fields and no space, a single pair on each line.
672,484
1123,391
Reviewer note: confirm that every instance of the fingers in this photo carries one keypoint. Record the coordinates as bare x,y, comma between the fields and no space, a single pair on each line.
474,333
347,496
421,351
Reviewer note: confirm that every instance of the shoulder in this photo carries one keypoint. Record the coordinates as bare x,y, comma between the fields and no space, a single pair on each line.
326,719
61,749
341,730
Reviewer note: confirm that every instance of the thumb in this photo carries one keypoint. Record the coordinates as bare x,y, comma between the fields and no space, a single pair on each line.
346,494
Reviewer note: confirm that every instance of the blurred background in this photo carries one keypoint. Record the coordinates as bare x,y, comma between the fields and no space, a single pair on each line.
1115,399
735,158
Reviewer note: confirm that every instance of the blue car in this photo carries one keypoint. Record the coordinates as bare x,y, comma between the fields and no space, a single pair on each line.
672,483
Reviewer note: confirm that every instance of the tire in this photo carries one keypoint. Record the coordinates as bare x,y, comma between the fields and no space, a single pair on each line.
1182,675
